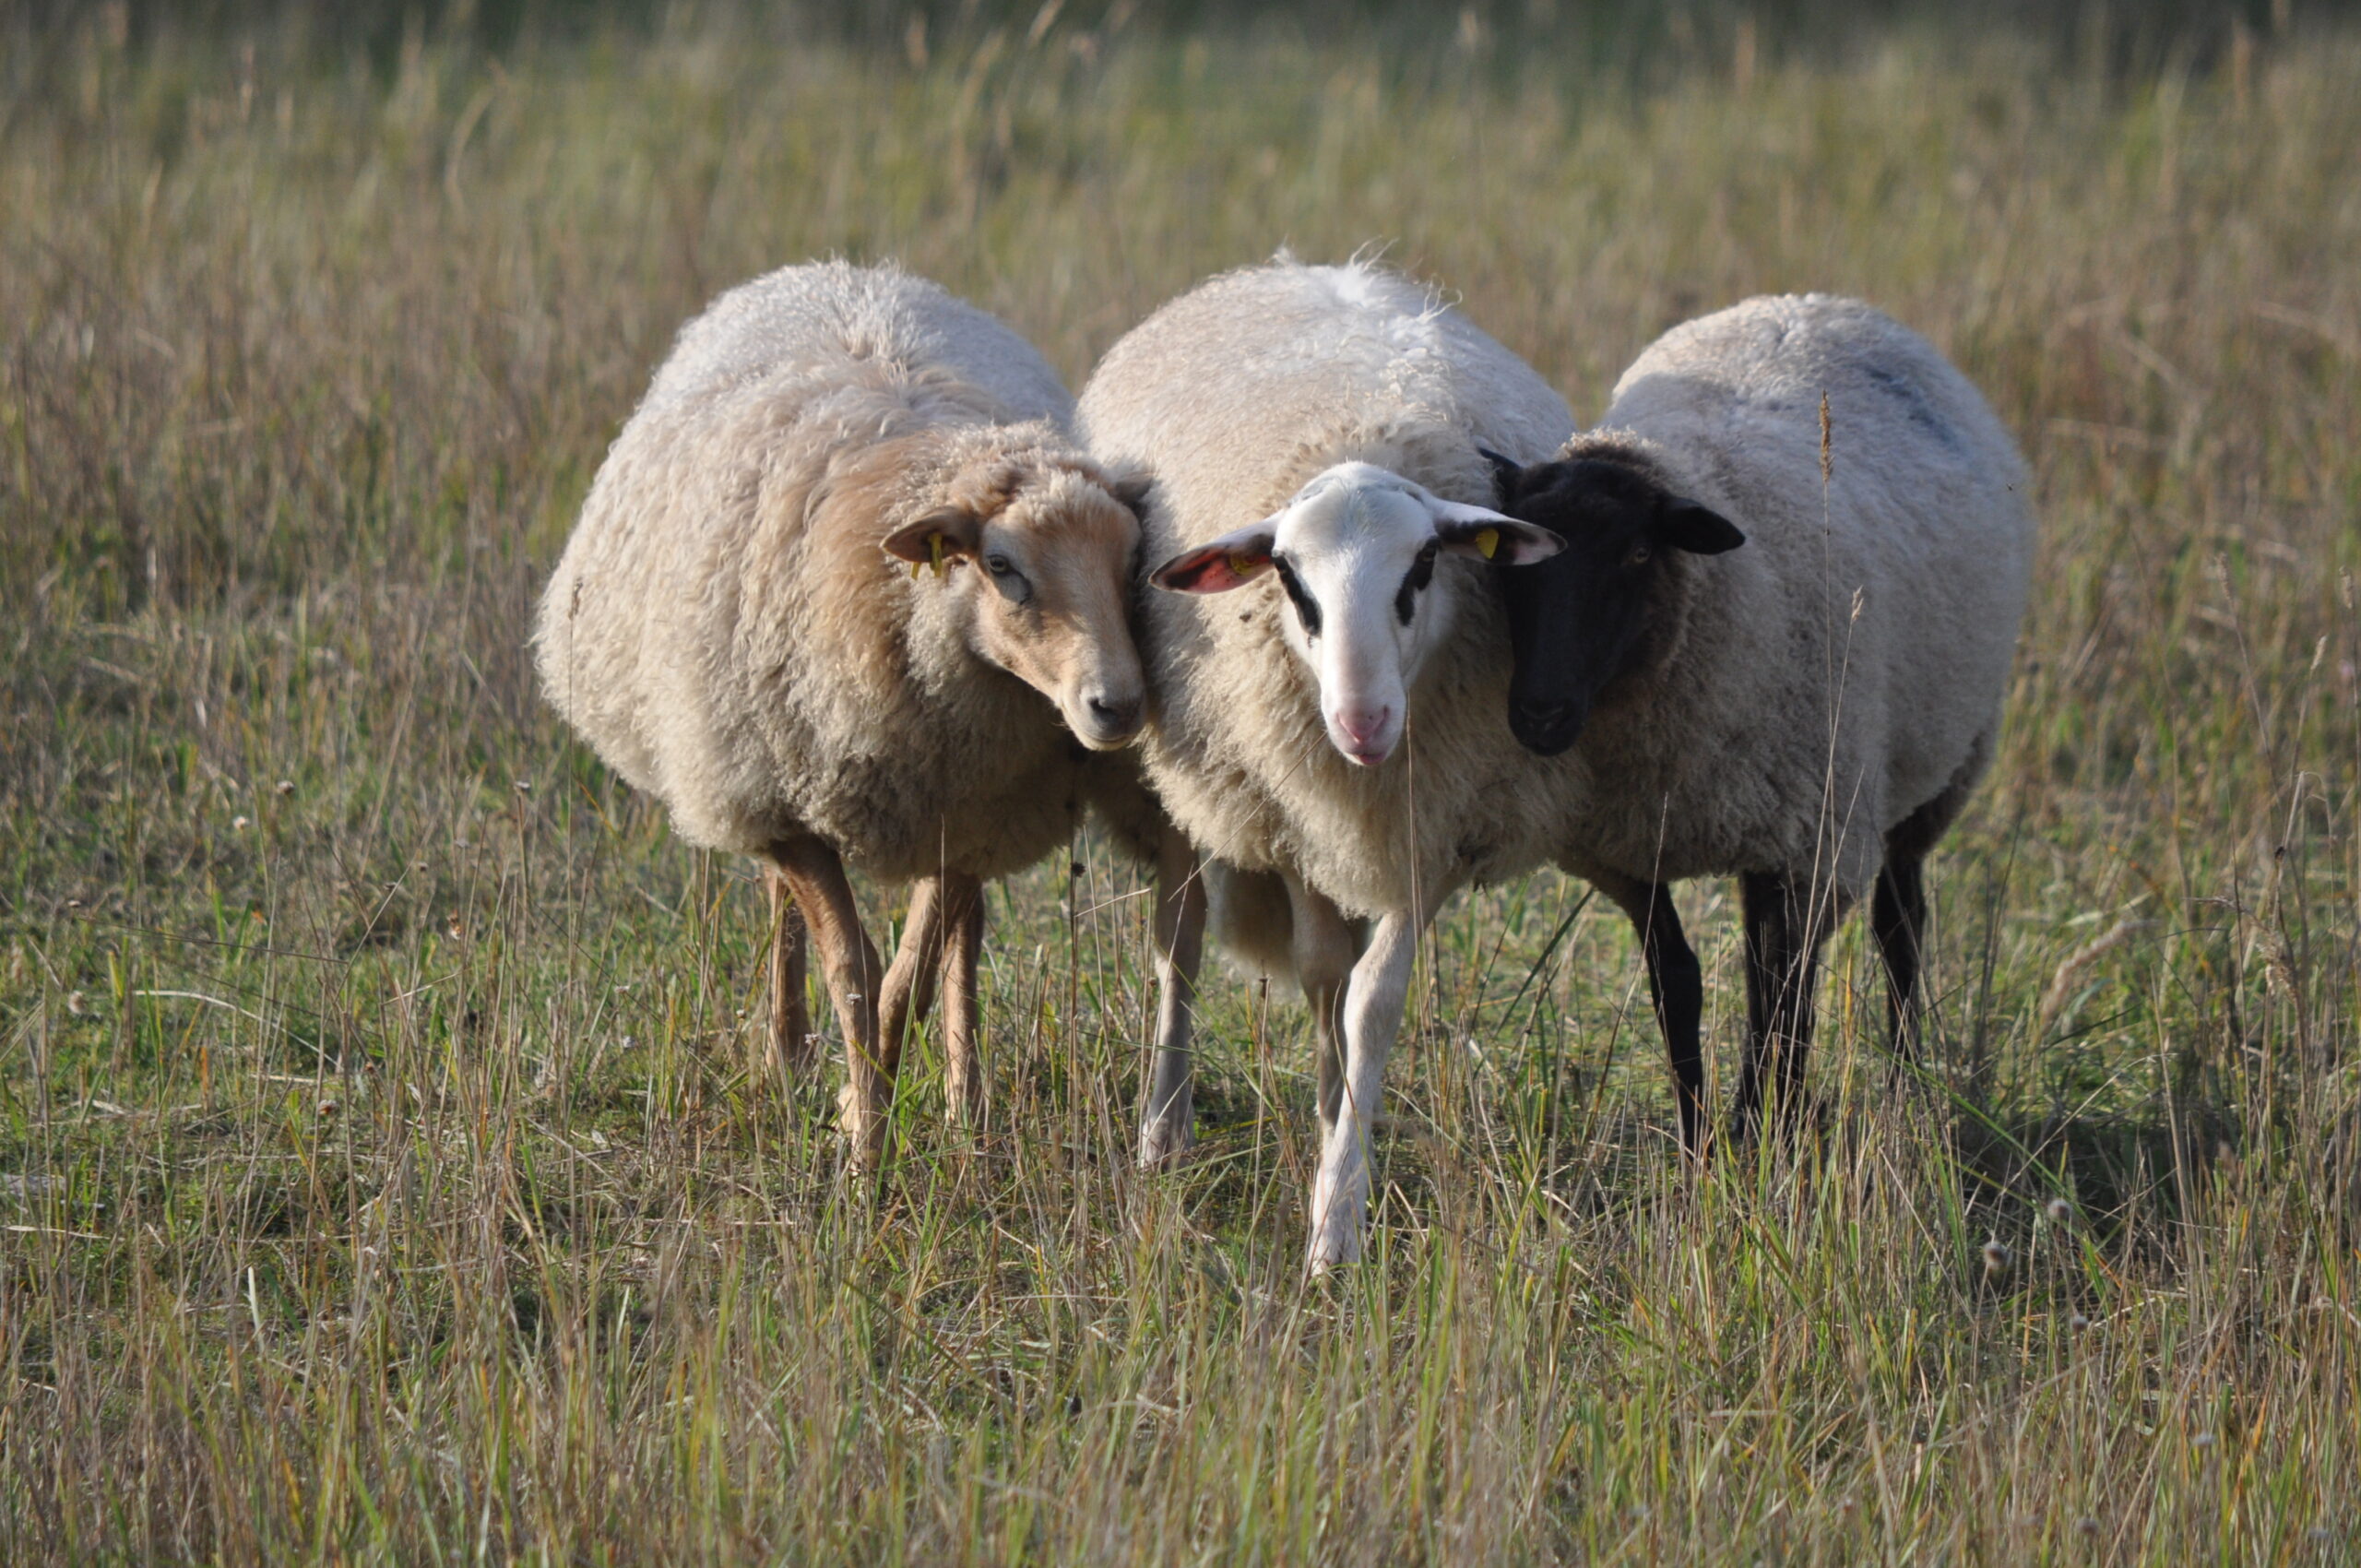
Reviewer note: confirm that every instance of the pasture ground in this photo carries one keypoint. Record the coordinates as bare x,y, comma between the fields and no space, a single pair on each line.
386,1174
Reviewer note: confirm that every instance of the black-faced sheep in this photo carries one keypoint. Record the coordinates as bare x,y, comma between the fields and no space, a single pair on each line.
1312,433
1767,666
836,586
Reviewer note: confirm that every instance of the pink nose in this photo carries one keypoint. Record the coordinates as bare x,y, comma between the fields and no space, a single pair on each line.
1363,730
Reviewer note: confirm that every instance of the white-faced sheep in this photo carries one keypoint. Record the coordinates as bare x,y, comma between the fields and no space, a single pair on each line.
838,580
1319,427
1769,656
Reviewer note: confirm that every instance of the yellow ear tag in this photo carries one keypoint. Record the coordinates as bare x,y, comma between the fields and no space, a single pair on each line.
1247,565
934,549
1487,541
916,568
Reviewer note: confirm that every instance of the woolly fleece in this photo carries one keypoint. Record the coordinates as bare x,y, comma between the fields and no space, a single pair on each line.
726,632
1811,689
1232,397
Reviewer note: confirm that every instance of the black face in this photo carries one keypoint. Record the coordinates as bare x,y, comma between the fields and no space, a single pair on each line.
1578,619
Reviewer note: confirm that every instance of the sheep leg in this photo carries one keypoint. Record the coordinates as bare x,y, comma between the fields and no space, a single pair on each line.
908,990
1898,913
961,942
1167,1108
1784,931
1374,1002
1676,985
790,1058
1898,918
1322,949
816,879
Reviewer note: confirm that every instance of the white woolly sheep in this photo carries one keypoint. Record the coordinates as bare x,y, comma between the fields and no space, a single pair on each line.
1768,655
824,582
1364,399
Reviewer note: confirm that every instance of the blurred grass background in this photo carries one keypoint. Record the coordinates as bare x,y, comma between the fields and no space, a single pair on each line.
381,1173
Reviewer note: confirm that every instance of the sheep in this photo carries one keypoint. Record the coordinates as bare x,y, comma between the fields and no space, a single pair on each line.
1809,711
820,589
1343,406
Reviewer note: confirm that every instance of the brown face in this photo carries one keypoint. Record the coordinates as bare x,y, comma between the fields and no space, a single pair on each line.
1043,565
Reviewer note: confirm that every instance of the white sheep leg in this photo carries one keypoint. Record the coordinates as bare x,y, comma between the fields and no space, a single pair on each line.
1167,1107
1322,950
1374,1002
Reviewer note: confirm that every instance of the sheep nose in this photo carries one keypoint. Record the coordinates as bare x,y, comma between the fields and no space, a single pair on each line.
1115,717
1544,717
1363,725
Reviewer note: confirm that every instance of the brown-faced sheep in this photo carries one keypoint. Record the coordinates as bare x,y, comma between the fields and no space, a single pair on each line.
840,580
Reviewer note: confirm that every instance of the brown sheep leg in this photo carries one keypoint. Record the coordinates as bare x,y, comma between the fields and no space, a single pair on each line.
789,1061
1167,1104
962,939
816,878
909,994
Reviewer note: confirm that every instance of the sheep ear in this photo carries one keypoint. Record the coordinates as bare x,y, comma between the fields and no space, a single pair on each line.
1700,531
1131,490
1219,565
1490,535
1506,473
945,534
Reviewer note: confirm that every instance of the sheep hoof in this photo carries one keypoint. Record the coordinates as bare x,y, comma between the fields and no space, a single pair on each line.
1330,1252
1163,1145
863,1127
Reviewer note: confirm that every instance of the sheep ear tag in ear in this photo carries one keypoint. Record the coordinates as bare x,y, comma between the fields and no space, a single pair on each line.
1480,531
1219,565
935,540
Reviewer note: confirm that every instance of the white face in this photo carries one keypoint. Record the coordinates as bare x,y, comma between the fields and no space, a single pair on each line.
1356,552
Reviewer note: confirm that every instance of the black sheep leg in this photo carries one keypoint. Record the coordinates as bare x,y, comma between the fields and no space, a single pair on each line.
1898,918
1784,931
1677,984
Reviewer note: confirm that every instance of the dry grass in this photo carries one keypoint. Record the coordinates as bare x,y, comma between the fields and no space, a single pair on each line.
380,1173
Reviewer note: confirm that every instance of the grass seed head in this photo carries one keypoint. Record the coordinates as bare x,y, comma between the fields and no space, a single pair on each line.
2058,1210
1996,1257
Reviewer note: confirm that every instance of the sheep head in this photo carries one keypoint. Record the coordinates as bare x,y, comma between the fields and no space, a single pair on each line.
1355,552
1036,554
1587,618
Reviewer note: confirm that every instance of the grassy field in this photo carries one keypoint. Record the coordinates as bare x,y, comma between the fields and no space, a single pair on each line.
385,1170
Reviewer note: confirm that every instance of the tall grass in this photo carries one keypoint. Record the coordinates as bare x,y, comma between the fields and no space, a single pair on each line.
384,1170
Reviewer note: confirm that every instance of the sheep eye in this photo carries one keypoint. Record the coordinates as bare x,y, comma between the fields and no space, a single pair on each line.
1638,556
998,565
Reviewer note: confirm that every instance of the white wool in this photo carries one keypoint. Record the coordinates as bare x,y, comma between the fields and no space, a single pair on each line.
701,637
1233,397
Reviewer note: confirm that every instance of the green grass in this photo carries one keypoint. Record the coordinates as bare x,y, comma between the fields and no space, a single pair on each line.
381,1173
